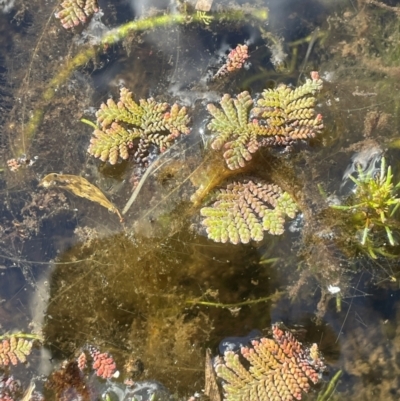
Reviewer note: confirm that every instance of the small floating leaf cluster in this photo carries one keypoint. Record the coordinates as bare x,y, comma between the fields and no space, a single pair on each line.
14,348
10,389
147,123
75,12
235,61
103,364
244,210
281,369
373,206
282,117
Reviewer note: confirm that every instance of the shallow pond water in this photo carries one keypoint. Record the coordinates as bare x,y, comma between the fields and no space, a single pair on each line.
152,290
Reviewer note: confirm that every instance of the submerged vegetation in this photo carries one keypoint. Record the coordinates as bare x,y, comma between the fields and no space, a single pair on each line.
372,209
192,261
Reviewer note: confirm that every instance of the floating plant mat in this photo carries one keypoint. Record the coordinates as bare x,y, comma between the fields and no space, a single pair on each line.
154,291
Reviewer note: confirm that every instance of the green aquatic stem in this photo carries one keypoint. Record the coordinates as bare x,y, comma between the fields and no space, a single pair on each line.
22,335
373,206
331,387
110,38
88,122
235,305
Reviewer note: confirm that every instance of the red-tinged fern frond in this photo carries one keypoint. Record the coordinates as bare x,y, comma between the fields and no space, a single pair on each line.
14,348
281,369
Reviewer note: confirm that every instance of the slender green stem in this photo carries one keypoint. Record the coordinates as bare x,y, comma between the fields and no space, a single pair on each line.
331,387
88,122
236,305
22,335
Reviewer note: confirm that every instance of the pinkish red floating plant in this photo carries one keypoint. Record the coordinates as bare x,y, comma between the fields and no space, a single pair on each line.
82,361
15,348
235,61
103,363
10,389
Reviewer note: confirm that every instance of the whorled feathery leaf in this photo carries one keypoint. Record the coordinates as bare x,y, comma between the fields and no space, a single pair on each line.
280,369
15,348
75,12
243,210
148,122
283,116
235,132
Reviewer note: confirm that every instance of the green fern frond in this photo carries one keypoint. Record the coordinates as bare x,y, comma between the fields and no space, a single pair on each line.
280,369
244,210
121,123
289,113
14,348
235,132
283,115
75,12
112,143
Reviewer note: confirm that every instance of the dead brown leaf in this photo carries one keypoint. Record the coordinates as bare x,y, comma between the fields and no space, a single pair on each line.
79,186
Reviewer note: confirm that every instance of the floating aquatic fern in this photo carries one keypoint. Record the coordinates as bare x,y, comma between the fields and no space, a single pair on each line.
147,122
235,61
281,369
289,113
244,210
14,348
75,12
235,132
103,363
283,116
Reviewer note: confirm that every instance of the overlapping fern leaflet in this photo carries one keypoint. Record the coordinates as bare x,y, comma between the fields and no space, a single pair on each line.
244,210
282,116
127,126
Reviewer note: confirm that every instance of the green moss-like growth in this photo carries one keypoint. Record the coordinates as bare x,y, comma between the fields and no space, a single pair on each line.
283,116
243,210
149,122
372,208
